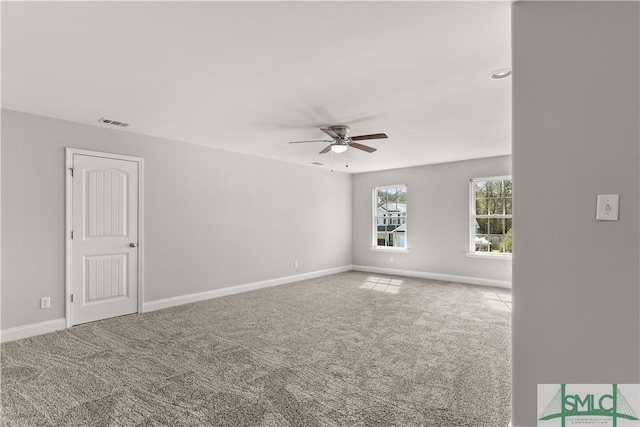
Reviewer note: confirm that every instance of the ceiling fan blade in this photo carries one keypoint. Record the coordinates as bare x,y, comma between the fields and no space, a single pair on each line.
315,140
330,132
326,150
362,147
372,136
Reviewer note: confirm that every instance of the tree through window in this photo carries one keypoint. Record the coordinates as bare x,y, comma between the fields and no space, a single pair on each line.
491,215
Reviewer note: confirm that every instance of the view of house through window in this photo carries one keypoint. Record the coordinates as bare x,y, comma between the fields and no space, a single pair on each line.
391,216
491,215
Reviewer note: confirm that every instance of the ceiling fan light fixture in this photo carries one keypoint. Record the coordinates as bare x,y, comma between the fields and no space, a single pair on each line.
338,148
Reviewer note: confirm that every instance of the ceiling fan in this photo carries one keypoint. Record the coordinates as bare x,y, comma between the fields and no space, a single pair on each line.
341,140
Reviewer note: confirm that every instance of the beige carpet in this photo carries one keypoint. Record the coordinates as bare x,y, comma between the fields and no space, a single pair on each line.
352,349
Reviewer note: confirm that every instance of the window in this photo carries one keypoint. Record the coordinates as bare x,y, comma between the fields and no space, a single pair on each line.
390,212
491,215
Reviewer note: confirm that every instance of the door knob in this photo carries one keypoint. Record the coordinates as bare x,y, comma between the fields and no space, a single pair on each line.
133,245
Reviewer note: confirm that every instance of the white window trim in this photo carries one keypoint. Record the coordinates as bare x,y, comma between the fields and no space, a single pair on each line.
388,249
489,255
472,253
374,228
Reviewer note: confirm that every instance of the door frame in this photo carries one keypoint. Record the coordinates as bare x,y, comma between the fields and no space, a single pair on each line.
68,219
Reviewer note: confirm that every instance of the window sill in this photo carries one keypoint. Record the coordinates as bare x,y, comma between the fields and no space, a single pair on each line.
488,255
389,249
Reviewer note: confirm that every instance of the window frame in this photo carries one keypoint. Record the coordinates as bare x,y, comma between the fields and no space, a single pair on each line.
387,221
473,216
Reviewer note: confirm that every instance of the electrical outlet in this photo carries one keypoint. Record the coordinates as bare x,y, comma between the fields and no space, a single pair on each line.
45,302
295,264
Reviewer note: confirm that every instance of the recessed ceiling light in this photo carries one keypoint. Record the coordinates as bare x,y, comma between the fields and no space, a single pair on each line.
503,73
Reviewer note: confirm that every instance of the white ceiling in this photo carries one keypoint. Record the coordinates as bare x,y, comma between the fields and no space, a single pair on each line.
251,76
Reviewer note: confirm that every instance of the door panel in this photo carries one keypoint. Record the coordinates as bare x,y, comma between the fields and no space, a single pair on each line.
106,191
105,277
104,252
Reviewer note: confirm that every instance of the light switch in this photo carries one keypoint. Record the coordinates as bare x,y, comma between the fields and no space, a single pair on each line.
607,207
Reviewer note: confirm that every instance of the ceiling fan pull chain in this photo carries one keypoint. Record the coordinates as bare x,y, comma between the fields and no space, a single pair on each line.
347,159
331,160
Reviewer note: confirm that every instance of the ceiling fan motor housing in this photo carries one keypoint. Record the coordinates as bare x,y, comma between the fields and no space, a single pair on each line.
341,130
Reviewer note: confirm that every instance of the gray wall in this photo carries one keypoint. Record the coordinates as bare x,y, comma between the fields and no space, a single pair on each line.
437,219
212,218
576,296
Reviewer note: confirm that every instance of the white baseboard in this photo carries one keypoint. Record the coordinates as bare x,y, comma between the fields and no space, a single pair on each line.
26,331
435,276
216,293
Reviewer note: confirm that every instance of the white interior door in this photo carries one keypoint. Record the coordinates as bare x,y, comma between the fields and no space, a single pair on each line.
104,242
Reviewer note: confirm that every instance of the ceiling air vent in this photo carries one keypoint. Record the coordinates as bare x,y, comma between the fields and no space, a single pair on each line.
113,122
317,163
